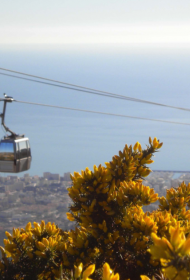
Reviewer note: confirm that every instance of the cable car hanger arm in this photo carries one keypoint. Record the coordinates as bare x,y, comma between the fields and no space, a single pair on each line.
5,100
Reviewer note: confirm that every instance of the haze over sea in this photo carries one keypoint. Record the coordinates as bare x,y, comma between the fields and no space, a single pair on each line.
68,141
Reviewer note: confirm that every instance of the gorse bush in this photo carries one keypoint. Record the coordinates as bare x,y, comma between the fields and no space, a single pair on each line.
112,230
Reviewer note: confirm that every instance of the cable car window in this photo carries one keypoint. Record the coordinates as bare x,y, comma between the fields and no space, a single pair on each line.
23,149
17,151
29,152
6,151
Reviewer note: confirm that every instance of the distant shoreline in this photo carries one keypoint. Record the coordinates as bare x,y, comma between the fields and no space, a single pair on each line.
171,171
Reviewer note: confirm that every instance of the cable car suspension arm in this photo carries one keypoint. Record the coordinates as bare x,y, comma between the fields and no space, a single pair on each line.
6,99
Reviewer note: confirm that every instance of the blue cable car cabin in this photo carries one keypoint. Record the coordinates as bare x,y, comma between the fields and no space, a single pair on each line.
15,154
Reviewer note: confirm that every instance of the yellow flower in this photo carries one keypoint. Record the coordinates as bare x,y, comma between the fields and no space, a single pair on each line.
155,143
78,270
144,277
40,254
9,236
171,253
40,246
136,146
178,244
11,248
28,226
51,229
45,242
108,273
176,238
16,233
70,216
162,248
172,273
88,272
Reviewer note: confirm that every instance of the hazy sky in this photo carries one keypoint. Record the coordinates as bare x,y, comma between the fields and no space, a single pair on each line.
110,29
95,22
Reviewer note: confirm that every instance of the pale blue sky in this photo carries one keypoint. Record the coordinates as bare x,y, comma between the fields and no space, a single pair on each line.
137,22
105,45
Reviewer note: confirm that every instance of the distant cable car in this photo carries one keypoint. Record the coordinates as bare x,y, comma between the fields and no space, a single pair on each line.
15,152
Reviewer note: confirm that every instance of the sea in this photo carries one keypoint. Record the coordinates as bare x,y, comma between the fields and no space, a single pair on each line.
64,140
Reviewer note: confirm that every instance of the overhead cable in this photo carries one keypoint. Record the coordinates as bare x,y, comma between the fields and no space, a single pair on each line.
86,89
61,86
102,113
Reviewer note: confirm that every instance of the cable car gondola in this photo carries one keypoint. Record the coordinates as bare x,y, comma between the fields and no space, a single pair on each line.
15,152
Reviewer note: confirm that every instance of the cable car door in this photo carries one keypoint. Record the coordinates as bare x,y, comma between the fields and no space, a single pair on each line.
17,160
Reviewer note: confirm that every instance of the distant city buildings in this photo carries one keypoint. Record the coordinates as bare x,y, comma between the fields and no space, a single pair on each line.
51,176
34,198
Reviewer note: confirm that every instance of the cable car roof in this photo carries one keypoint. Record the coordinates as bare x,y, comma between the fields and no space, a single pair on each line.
15,139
